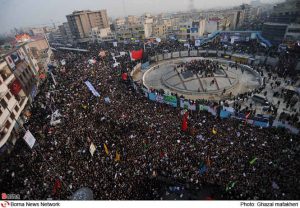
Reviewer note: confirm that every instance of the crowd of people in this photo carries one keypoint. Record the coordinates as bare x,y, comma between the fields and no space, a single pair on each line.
138,140
203,67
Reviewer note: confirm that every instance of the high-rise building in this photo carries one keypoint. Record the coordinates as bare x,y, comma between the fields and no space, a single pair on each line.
82,22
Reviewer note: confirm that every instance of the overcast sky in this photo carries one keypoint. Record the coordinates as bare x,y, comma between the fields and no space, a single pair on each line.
34,13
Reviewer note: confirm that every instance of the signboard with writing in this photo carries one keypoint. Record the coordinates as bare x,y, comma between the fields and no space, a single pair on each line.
170,100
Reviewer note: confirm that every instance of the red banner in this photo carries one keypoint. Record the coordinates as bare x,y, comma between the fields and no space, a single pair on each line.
137,55
184,125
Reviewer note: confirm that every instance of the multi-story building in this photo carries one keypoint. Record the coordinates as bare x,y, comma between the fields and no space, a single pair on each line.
41,53
65,32
160,30
131,32
101,35
82,22
20,73
132,20
148,27
56,36
120,22
208,26
292,32
40,31
283,22
13,101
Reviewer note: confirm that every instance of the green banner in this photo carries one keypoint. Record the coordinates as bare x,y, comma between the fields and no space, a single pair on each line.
171,100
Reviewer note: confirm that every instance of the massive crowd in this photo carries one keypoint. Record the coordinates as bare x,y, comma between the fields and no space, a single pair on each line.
201,67
143,141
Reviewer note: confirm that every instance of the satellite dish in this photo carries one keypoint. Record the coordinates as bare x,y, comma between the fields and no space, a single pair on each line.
83,194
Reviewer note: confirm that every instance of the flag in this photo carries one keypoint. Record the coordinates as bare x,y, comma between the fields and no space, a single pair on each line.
184,125
124,76
57,186
117,156
253,161
15,87
136,55
106,149
92,148
230,185
214,131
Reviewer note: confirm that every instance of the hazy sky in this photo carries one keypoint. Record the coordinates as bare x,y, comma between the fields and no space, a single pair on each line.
34,13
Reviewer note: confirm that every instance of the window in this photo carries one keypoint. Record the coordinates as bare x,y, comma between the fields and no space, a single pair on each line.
294,30
12,116
17,108
8,96
3,103
7,124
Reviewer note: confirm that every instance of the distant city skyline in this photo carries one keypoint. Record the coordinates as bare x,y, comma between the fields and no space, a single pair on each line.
38,13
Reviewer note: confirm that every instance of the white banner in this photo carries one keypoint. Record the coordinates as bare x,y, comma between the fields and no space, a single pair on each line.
29,139
92,149
115,44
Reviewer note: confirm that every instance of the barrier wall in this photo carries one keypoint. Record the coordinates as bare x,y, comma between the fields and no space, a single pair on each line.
167,56
193,53
226,112
175,54
160,57
184,53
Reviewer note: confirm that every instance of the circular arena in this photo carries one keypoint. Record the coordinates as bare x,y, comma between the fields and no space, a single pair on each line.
185,77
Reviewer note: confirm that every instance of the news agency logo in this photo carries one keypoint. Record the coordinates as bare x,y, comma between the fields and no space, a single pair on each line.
5,196
5,204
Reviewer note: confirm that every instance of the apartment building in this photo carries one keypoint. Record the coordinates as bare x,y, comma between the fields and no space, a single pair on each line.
13,101
101,35
82,22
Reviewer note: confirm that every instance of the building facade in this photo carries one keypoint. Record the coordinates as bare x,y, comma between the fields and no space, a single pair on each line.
82,22
283,23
